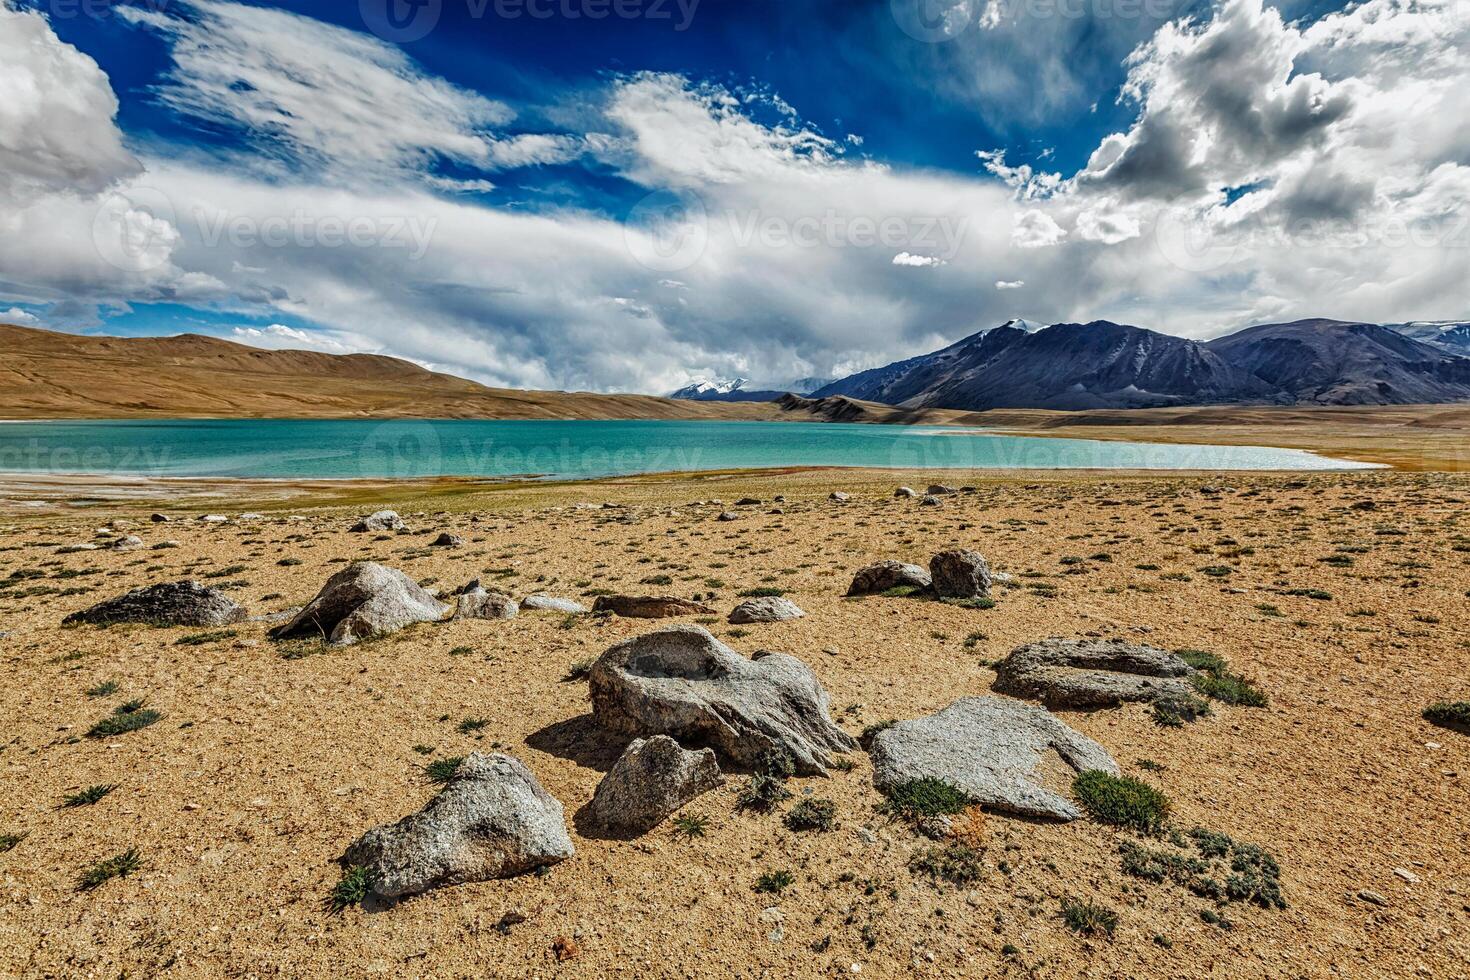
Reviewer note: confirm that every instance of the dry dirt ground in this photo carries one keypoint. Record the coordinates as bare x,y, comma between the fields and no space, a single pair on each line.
268,761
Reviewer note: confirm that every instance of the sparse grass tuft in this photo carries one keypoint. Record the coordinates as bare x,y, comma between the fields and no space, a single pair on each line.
352,890
125,718
9,842
118,866
774,882
817,814
1218,682
1088,918
958,864
103,690
1122,801
690,826
1176,712
762,793
920,799
1454,715
88,796
579,670
443,770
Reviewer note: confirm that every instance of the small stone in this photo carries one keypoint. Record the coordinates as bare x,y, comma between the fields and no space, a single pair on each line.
838,496
766,609
1407,875
905,492
383,520
649,607
447,540
1373,898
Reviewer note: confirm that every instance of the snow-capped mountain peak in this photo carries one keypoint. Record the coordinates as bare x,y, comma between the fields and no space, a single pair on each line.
704,387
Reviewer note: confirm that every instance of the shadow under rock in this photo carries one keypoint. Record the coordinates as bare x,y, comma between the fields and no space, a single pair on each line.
580,740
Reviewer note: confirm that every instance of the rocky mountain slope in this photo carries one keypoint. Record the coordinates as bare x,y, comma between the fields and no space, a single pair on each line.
1104,365
44,374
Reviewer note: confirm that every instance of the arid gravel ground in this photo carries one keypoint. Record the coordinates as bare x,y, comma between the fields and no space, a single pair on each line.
269,760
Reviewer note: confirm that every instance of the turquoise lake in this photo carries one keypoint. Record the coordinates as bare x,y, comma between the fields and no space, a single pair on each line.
361,449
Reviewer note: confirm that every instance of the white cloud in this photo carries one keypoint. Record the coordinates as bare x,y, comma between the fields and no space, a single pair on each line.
278,336
1009,284
57,133
321,95
19,317
917,261
1106,226
1037,229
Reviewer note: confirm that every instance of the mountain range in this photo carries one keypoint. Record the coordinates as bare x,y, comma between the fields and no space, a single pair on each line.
745,390
1105,365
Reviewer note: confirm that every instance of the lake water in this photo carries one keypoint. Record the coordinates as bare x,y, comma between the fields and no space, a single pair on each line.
320,449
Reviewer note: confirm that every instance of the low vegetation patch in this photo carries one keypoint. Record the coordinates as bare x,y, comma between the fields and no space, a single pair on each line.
9,842
1176,712
922,799
1454,715
1218,682
958,864
125,718
814,815
443,770
1211,865
88,796
118,866
774,882
1088,918
690,826
352,890
199,639
1122,801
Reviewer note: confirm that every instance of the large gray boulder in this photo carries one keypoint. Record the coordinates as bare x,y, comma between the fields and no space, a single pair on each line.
491,820
653,778
383,520
988,748
887,574
766,609
476,602
649,606
683,682
1092,673
960,574
167,604
362,601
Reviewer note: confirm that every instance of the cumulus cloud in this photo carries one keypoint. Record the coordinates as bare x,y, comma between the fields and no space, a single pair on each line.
1037,229
19,317
57,111
1009,284
278,336
917,261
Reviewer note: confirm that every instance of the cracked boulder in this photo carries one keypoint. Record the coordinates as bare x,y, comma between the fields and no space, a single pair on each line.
888,574
684,683
960,575
476,602
168,604
653,778
1092,673
363,601
491,820
992,750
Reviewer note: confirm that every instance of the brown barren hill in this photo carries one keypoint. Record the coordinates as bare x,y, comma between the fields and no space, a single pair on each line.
51,375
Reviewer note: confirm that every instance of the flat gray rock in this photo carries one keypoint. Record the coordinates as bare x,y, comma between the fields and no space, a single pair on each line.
887,574
168,604
940,490
491,820
479,603
960,574
989,748
362,601
683,682
447,540
766,609
553,604
129,543
649,606
905,492
653,778
1092,673
383,520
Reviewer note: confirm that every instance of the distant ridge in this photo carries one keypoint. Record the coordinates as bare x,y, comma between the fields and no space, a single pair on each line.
1105,365
44,374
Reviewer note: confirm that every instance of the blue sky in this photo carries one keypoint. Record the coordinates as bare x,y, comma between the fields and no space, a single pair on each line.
523,192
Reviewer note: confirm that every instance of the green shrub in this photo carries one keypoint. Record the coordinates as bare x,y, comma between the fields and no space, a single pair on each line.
690,827
819,815
1176,711
1229,689
1122,801
353,889
125,718
774,882
1454,715
1088,918
955,863
919,799
88,796
762,793
118,866
443,770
